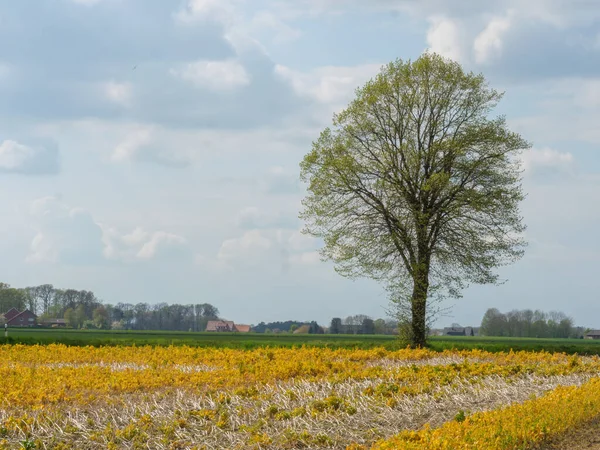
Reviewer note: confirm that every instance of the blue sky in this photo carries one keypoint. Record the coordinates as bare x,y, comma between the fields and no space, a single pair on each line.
149,149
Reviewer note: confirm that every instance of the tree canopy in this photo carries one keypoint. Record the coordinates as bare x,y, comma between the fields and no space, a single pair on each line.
416,186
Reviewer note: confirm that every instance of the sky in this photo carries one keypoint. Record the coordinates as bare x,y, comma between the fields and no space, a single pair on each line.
150,149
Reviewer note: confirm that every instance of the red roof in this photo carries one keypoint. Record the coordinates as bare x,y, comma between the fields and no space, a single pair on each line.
24,318
220,325
226,325
13,312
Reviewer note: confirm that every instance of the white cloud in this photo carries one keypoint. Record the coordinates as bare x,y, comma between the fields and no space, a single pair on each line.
276,250
250,242
119,93
141,244
64,234
267,20
328,84
215,75
250,217
132,144
306,258
149,144
14,155
537,160
243,30
445,37
19,158
278,180
219,10
300,242
566,109
584,92
488,44
72,236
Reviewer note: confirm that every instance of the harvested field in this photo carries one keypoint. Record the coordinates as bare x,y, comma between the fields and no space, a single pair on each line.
165,398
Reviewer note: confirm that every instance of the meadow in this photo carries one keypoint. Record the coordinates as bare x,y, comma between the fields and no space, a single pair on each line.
182,397
250,341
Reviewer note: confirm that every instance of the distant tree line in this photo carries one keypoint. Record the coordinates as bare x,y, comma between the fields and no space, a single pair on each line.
528,323
278,327
82,309
362,324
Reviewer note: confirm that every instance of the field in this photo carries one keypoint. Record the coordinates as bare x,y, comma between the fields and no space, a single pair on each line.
254,340
182,397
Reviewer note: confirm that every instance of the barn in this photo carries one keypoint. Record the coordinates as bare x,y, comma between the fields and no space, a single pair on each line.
14,318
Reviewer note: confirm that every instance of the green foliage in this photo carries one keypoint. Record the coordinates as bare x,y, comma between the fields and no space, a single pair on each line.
528,323
12,298
415,186
460,416
28,444
70,318
255,340
336,326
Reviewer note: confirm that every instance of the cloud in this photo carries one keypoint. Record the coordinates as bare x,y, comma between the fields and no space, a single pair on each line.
119,93
82,70
72,236
563,110
252,217
515,40
28,160
272,250
64,234
489,43
280,181
282,32
198,10
306,258
142,245
217,75
245,30
547,161
328,84
445,37
132,144
143,145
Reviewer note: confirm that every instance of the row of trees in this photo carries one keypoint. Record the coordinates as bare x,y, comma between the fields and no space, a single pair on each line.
528,323
357,324
361,324
46,300
82,309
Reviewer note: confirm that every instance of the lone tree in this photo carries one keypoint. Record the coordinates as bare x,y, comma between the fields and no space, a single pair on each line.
415,186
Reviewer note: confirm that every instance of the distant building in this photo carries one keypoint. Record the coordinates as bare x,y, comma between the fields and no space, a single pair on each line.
459,331
593,334
11,313
53,323
14,318
226,326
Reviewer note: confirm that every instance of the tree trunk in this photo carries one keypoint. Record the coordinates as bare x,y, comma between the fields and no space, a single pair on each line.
419,306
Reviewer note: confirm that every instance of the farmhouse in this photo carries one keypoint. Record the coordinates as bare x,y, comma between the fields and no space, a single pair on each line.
53,323
226,325
593,334
459,331
15,318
